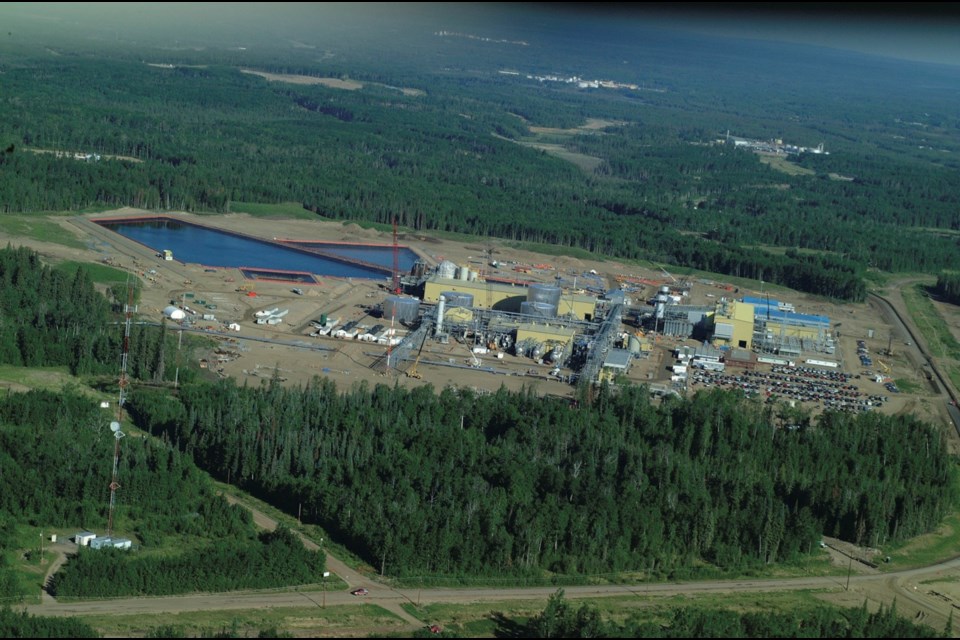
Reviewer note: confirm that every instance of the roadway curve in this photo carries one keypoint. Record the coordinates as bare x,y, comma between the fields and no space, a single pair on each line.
911,590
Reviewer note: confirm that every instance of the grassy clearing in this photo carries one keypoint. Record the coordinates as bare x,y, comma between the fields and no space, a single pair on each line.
906,385
779,251
584,162
312,531
785,166
50,378
306,621
38,228
925,316
876,279
99,273
282,210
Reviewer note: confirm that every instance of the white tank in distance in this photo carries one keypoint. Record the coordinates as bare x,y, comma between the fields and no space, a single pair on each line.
447,269
174,313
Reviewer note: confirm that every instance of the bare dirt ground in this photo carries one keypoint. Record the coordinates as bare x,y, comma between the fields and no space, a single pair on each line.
249,356
333,83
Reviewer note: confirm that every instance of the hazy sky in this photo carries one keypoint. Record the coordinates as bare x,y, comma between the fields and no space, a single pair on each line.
927,32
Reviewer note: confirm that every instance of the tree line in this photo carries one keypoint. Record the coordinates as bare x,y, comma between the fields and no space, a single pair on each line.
948,286
55,317
561,619
275,559
199,139
527,485
163,500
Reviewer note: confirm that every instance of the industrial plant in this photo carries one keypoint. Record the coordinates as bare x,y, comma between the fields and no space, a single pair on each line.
507,322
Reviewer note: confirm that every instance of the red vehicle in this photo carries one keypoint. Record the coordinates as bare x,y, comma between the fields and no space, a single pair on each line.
360,592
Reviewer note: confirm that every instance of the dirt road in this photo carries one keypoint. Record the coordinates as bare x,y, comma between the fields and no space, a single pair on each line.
926,594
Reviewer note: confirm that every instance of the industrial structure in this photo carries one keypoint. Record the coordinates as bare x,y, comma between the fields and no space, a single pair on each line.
580,335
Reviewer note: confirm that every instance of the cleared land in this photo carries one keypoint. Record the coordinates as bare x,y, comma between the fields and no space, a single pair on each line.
333,83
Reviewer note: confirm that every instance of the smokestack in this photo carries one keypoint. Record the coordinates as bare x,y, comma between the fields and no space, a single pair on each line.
440,306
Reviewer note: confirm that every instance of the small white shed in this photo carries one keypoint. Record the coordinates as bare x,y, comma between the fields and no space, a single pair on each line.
83,538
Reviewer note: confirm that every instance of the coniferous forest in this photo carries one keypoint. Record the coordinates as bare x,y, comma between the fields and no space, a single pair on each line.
456,483
948,286
55,452
446,131
562,620
448,147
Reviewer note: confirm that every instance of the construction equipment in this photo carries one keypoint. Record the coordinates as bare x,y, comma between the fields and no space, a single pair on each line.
883,365
474,360
412,371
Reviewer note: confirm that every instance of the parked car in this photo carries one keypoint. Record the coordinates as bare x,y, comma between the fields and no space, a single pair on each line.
361,591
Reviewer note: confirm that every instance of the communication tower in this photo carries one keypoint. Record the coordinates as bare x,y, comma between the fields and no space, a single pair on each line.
115,426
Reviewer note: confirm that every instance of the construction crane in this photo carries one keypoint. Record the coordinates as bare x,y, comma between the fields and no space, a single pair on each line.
487,284
474,360
883,365
396,259
412,371
665,272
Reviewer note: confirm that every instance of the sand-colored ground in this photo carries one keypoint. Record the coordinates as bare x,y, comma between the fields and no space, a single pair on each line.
258,352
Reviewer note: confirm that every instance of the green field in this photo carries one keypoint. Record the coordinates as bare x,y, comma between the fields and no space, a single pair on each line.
936,333
282,210
35,227
99,273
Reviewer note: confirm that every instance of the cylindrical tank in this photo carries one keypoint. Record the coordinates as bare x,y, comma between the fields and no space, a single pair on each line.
556,354
869,333
401,309
538,309
174,313
545,293
323,319
463,273
458,299
665,290
634,344
419,269
472,276
447,269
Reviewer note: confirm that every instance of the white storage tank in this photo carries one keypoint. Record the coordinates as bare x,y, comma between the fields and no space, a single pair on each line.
463,273
447,269
174,313
401,309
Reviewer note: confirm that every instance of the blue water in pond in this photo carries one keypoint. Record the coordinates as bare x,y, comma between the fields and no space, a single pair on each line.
214,248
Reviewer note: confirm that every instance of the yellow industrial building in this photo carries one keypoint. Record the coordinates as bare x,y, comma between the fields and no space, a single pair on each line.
504,297
733,324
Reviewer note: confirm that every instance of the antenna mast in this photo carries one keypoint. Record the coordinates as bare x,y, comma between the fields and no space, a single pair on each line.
115,426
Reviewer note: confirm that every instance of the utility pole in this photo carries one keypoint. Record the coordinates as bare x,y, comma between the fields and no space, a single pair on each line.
849,568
